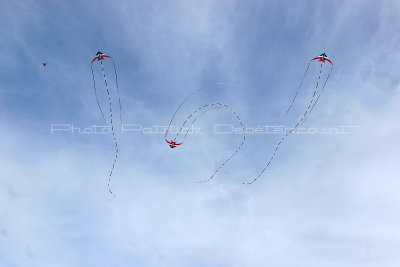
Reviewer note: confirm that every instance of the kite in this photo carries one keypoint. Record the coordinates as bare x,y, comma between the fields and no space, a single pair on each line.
100,57
322,59
174,143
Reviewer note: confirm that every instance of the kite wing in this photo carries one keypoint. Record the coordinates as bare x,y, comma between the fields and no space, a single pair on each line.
173,143
170,142
321,58
100,57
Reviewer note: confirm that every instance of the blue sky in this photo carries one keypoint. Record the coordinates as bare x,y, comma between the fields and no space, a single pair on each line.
326,200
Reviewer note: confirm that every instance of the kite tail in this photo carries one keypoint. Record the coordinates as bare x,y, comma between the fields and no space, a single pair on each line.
184,138
323,87
237,149
95,92
119,98
294,128
183,102
112,130
213,105
191,115
298,89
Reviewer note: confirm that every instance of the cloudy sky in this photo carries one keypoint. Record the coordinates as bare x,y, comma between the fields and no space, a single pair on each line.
326,200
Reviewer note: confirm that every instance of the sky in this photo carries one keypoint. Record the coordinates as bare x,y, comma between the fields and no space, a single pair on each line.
329,198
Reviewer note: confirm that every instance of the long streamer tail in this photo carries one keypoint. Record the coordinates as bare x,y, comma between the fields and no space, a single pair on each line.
95,92
298,89
112,130
193,122
294,128
323,87
322,90
237,149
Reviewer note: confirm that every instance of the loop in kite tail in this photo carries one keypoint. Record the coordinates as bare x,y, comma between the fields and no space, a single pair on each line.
191,125
95,92
294,128
192,115
237,149
298,89
183,102
119,98
112,129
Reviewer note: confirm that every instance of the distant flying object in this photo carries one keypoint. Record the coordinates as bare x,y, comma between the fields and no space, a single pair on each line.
44,64
99,56
172,144
323,57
